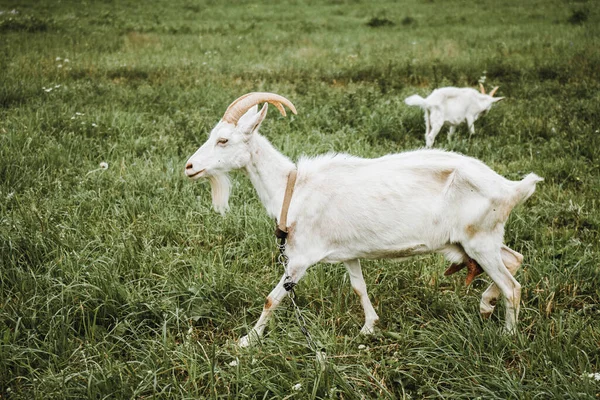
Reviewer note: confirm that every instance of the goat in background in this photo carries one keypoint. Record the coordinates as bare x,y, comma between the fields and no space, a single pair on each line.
452,105
345,208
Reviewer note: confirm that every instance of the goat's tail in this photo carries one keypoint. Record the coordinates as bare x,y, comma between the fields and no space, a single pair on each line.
416,100
525,188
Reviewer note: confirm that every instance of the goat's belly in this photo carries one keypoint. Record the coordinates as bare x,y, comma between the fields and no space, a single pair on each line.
455,120
343,254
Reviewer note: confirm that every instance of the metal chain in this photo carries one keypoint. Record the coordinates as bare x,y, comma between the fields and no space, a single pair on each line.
288,285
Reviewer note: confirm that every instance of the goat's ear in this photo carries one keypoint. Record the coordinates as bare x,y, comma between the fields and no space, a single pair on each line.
248,124
248,115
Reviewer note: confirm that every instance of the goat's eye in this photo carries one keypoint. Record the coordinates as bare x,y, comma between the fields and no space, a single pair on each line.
222,141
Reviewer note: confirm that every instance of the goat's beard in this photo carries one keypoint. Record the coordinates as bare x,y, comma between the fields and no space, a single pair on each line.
220,185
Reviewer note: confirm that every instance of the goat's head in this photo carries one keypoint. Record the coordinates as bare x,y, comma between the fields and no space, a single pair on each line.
487,100
491,95
227,147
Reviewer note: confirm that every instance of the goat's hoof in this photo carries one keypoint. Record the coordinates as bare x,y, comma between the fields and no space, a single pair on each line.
250,339
486,309
244,342
368,329
509,330
486,315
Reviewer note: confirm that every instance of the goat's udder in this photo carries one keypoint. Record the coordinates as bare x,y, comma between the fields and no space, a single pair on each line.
473,269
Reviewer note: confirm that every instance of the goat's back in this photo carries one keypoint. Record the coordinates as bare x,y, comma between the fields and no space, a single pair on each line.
419,198
441,94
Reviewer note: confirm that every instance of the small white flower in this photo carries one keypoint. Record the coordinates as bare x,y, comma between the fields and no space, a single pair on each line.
14,12
67,60
297,387
59,66
56,86
79,114
104,165
594,375
234,363
10,195
72,117
47,90
362,347
94,125
58,59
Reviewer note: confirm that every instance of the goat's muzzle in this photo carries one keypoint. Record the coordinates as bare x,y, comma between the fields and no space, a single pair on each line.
189,171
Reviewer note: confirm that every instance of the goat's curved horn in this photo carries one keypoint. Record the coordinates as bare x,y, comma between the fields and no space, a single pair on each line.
494,91
481,89
239,107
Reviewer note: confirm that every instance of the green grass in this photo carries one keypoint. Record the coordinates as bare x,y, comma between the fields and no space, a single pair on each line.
123,283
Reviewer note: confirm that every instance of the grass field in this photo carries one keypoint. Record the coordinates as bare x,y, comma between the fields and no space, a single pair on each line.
122,282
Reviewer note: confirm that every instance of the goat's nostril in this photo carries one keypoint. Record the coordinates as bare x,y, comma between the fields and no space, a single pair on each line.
188,165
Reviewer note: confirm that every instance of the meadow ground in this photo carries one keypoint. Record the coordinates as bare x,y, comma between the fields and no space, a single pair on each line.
121,282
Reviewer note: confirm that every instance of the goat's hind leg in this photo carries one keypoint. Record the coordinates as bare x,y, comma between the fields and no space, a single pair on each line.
360,288
489,256
427,124
512,261
451,131
437,122
272,302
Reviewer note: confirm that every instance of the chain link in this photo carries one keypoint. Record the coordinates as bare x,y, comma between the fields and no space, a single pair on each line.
288,285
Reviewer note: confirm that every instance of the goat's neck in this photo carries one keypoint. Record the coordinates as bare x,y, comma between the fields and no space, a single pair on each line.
268,170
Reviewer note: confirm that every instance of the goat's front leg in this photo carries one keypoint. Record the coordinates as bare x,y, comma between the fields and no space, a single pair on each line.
512,261
360,288
271,303
489,256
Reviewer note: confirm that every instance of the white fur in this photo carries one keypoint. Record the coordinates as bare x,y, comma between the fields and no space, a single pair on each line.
345,208
220,186
453,106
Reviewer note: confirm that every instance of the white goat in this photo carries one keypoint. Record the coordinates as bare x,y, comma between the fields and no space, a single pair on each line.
452,105
345,208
